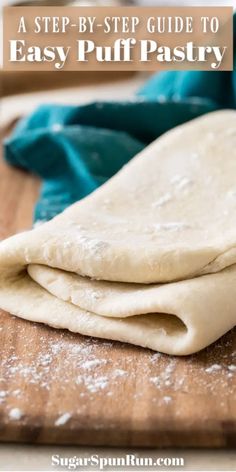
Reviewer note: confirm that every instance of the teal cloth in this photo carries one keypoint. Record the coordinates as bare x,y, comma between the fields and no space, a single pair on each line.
75,149
219,87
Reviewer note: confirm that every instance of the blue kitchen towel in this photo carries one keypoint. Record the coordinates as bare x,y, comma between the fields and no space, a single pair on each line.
75,149
217,86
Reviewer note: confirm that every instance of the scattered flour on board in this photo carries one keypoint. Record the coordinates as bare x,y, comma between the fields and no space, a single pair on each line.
15,414
83,368
62,419
167,399
213,368
93,363
93,384
119,373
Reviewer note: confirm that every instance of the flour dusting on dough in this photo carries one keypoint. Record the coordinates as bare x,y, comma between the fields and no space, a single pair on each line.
162,200
181,181
172,226
232,194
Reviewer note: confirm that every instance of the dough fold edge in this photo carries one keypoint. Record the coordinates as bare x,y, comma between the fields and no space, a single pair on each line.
205,305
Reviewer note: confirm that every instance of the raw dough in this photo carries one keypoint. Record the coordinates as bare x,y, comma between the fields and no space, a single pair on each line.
101,267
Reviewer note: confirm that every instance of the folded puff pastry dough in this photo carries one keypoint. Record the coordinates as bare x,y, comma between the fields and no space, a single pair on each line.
149,258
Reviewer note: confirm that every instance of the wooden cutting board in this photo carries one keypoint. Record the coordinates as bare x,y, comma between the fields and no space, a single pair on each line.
62,388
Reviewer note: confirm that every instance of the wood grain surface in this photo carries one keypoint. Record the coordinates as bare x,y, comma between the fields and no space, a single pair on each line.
13,82
58,387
